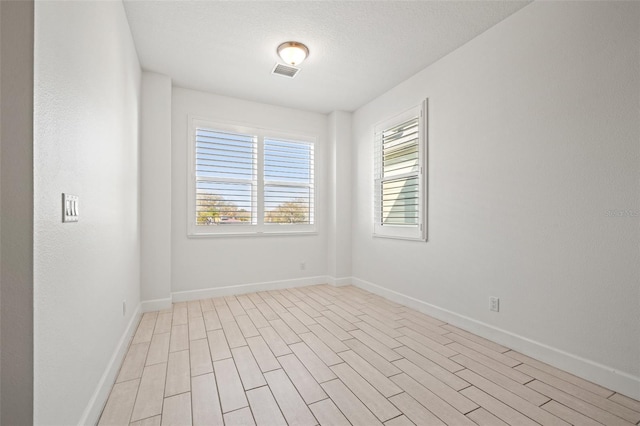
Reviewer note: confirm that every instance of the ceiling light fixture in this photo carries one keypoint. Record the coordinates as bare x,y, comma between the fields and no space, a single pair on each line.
293,52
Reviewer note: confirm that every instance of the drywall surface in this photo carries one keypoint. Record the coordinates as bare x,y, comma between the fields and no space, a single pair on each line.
16,205
87,101
203,263
534,189
155,187
339,202
1,212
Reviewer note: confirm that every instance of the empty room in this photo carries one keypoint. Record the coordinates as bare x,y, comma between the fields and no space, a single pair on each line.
319,213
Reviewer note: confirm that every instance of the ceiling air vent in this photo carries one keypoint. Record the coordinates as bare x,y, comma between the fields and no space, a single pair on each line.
285,70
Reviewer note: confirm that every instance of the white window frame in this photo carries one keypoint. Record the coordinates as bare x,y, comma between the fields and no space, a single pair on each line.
259,228
418,232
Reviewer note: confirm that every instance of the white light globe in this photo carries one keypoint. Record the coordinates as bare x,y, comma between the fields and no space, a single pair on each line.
292,52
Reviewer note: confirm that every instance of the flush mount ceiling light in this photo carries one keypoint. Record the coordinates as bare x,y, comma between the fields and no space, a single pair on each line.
293,52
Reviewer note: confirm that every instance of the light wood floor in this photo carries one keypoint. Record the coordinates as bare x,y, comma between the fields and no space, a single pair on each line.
335,356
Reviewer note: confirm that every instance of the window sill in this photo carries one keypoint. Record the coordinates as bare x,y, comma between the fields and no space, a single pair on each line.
251,234
398,237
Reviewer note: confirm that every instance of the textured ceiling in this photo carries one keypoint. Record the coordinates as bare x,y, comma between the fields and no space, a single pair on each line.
359,49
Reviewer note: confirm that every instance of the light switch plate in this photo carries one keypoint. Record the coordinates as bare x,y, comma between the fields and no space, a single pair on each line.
70,208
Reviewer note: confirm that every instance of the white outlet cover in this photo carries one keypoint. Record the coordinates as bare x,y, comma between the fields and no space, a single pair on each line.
494,304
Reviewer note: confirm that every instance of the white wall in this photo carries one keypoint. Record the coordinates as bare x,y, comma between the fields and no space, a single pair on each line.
339,202
204,263
87,98
155,191
533,139
16,205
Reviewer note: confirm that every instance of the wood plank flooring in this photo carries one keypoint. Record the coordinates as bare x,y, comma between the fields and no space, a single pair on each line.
338,356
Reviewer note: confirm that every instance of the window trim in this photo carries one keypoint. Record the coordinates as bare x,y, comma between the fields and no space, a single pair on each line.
419,232
260,228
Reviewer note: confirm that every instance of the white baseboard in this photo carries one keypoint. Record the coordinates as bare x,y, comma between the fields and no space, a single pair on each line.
184,296
339,282
99,398
156,305
603,375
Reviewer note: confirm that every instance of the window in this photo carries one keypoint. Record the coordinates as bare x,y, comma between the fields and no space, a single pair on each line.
288,182
225,177
250,181
399,181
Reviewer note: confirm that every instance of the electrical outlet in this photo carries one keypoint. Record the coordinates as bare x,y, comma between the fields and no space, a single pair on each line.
124,307
303,266
494,304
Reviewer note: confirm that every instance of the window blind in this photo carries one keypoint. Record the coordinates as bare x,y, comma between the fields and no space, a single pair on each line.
249,181
398,166
225,169
288,182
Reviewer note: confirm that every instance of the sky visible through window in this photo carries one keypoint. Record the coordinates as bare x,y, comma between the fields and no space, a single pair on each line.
226,179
